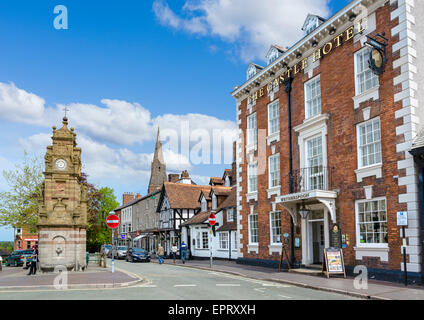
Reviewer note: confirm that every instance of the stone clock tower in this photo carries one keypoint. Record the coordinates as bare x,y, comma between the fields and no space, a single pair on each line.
62,216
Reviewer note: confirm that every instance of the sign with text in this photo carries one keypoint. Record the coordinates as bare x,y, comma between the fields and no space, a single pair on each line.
402,218
333,262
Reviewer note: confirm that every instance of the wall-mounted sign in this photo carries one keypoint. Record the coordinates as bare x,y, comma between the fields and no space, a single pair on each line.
333,262
319,54
402,218
377,60
336,241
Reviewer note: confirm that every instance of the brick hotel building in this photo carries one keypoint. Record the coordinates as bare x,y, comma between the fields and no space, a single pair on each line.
324,140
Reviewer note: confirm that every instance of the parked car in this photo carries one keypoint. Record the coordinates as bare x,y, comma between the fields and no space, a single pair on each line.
137,254
17,258
120,252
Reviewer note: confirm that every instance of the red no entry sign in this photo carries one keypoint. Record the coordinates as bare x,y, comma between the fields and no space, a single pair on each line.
112,221
212,219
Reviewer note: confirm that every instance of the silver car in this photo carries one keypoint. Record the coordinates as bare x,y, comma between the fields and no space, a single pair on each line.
120,252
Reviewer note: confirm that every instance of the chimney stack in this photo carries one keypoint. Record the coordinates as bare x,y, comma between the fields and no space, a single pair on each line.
173,177
127,197
138,196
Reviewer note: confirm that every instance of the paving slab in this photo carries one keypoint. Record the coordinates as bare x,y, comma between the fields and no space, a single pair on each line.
12,278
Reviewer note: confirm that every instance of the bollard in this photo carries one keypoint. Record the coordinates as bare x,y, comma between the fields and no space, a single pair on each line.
1,267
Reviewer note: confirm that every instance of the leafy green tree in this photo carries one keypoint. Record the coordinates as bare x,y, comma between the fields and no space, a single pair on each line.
19,205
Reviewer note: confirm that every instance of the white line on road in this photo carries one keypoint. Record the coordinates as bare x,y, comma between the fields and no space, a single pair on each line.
227,285
185,285
285,297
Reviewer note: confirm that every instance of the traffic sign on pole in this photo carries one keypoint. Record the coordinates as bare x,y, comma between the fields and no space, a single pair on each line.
112,221
212,219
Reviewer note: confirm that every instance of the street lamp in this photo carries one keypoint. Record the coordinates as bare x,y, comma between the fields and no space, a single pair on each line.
303,211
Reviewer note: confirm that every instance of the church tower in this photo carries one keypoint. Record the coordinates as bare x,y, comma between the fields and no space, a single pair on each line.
62,216
158,169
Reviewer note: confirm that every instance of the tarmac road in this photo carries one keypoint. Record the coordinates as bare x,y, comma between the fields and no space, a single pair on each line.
171,282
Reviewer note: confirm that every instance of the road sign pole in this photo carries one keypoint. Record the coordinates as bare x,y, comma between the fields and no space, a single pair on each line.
404,257
112,264
210,246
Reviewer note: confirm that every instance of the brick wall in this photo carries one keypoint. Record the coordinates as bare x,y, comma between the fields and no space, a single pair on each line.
337,89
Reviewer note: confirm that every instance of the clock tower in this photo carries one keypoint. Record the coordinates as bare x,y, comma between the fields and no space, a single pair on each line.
62,216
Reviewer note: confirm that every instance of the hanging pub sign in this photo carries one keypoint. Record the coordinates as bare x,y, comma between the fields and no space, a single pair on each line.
378,59
333,262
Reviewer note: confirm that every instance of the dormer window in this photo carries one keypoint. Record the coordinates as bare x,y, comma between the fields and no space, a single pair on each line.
311,23
204,204
214,202
273,55
227,181
251,71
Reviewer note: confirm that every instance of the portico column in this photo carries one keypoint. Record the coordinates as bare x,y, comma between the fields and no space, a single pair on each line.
305,255
326,229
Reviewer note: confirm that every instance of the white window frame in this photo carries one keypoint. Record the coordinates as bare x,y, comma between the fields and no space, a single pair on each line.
204,204
230,213
359,147
358,233
222,241
252,133
272,227
249,175
270,158
214,201
357,85
307,85
307,165
277,117
250,229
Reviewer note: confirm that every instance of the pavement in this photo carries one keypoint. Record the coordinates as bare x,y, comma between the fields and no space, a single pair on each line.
15,278
181,286
376,290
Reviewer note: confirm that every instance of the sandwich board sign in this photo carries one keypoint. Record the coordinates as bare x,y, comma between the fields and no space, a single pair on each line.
333,262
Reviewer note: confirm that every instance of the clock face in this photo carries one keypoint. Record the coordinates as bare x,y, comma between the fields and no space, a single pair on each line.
61,164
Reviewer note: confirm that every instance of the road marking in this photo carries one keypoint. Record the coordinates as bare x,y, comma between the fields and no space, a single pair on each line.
228,285
260,290
285,297
185,285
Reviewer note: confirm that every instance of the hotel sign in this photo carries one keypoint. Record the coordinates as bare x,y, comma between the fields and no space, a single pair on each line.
294,197
326,49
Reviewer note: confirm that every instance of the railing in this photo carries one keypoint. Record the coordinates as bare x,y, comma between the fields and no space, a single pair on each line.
312,178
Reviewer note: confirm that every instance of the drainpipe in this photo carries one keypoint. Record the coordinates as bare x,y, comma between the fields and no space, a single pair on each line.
288,87
421,206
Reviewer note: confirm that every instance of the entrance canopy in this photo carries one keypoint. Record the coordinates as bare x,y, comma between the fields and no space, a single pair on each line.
292,202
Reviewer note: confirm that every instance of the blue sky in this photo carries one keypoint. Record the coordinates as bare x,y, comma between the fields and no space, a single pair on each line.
124,67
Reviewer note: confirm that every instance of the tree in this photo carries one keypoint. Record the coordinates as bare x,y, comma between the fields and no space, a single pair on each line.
19,205
100,203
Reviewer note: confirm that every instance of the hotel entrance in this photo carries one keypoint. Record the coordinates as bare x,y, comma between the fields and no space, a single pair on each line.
316,236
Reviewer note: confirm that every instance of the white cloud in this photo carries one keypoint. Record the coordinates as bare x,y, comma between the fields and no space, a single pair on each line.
18,105
103,163
251,25
117,121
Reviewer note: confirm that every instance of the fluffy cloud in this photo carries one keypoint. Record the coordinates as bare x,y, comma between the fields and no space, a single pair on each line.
103,163
17,105
117,121
252,25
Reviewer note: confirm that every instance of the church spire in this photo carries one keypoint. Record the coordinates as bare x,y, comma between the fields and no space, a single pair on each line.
158,169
